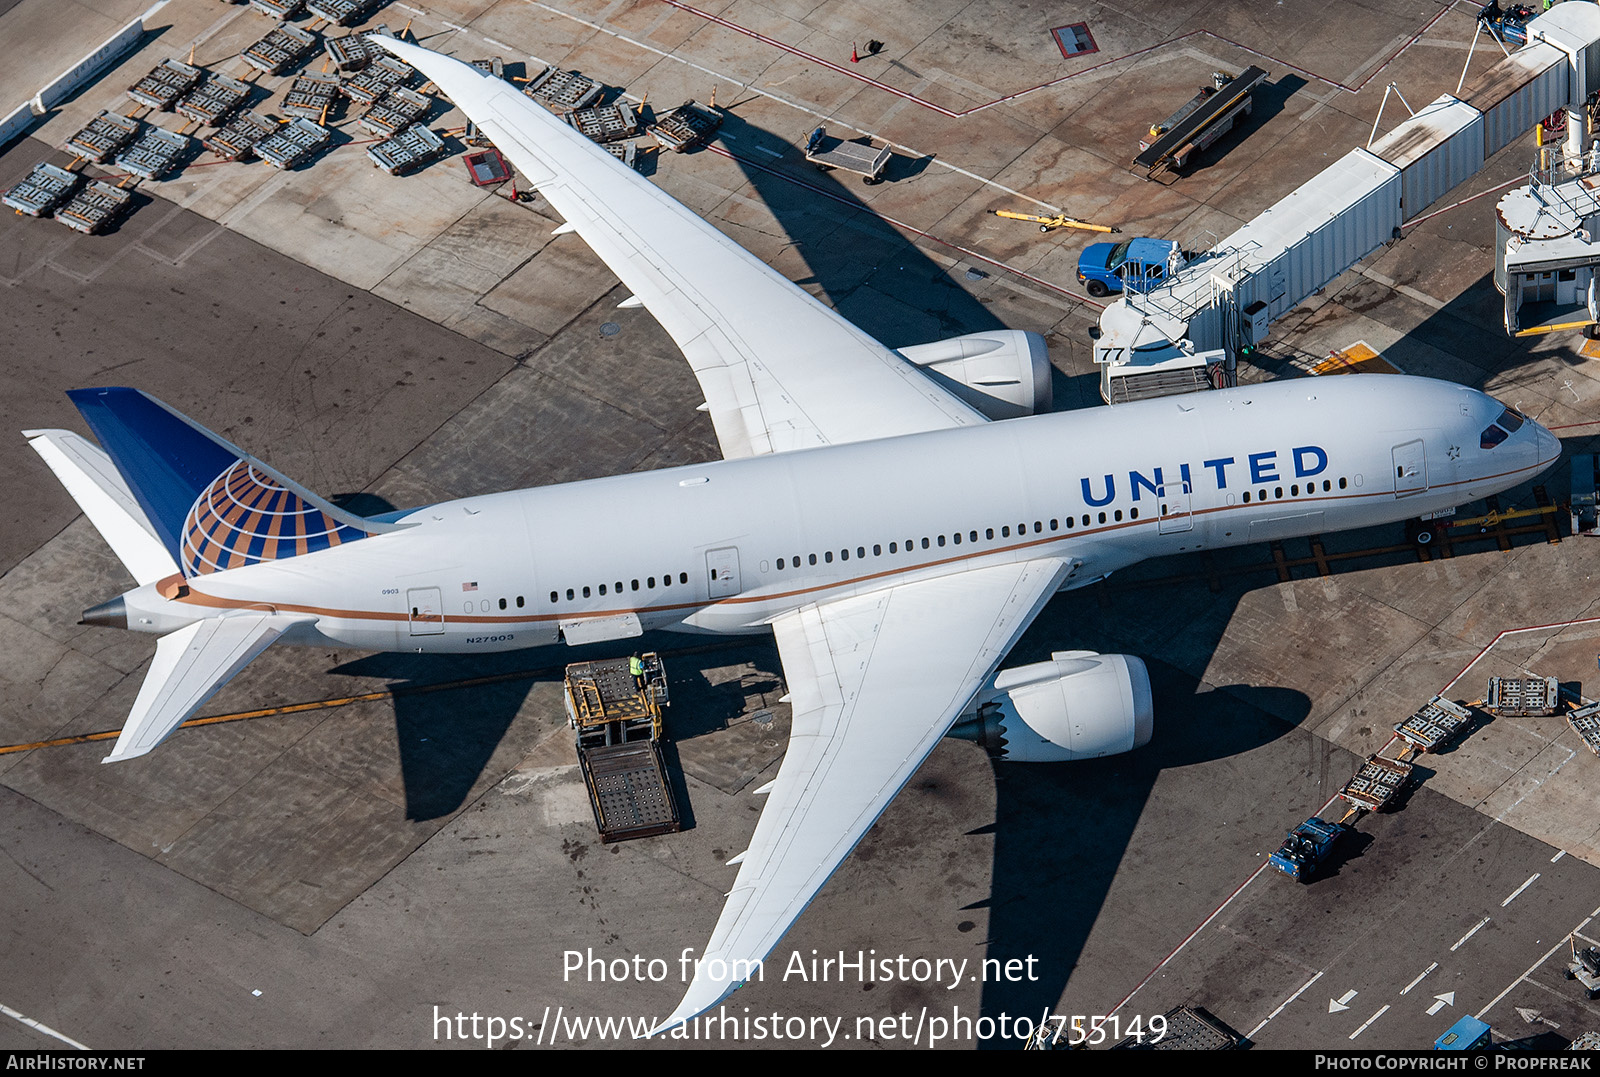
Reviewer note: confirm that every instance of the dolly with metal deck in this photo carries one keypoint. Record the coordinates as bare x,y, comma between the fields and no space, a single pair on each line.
293,144
1376,784
154,153
605,123
1434,724
215,99
1524,697
162,87
103,136
42,190
95,207
395,111
311,95
284,47
685,127
617,716
279,9
342,12
240,135
353,52
1585,721
562,90
408,150
378,78
865,160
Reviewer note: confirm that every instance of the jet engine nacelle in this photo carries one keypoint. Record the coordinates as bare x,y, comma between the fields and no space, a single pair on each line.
1004,373
1078,705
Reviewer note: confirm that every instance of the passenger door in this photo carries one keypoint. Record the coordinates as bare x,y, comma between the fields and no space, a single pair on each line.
1410,469
427,611
722,570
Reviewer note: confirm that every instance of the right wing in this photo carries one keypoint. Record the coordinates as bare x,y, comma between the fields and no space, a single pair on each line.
875,681
779,369
95,484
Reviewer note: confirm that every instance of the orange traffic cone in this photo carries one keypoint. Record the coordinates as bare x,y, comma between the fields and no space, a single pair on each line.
853,57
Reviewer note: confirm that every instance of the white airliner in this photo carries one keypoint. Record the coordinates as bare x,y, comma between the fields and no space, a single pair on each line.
896,519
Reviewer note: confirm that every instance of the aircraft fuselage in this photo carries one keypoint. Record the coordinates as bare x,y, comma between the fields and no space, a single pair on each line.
726,546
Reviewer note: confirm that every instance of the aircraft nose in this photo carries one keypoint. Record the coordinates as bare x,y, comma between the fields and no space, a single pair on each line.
1549,445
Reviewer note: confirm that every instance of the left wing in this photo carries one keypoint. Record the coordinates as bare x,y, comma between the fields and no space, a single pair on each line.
875,681
779,369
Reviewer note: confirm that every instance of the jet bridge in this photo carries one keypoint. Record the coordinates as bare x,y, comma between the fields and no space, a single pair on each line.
1188,332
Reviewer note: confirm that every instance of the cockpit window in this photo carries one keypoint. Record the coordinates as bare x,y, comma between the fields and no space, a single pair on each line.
1491,436
1511,419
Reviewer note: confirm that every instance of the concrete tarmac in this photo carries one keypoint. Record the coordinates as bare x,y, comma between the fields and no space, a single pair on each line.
377,872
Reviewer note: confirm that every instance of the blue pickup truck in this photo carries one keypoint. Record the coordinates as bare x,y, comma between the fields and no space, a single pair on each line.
1140,264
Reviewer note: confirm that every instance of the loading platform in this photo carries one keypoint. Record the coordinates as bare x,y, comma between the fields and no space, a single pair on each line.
617,715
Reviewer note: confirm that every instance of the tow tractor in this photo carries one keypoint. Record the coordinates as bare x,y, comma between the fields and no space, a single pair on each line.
1509,24
1584,967
1307,847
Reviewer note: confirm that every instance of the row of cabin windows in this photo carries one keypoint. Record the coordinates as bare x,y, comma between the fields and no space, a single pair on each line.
1294,490
616,588
1086,520
955,539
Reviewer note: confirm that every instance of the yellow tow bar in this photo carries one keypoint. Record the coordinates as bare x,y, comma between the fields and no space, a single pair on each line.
1047,224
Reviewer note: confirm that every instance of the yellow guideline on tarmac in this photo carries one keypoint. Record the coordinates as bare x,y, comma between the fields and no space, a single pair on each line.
1358,358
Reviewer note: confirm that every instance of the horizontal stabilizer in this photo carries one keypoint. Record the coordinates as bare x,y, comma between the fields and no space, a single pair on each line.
94,483
189,666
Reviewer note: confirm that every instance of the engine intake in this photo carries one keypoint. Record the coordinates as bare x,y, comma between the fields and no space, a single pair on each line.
1078,705
1004,374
